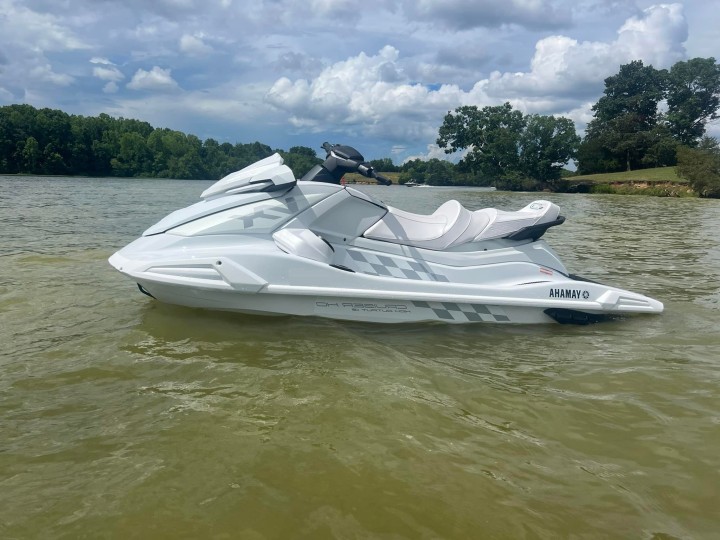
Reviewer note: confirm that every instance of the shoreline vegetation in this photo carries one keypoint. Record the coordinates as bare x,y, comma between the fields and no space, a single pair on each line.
661,182
657,182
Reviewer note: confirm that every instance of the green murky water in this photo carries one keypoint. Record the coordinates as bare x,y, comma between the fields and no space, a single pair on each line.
124,418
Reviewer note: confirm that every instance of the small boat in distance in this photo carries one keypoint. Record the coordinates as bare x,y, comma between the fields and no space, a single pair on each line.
412,183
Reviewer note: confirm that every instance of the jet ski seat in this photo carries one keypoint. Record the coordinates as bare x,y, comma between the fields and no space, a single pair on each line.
452,224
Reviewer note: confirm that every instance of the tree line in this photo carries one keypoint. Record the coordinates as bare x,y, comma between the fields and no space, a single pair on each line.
49,141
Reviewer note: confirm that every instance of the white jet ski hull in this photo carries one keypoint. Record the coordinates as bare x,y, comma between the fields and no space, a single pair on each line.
316,289
379,310
262,242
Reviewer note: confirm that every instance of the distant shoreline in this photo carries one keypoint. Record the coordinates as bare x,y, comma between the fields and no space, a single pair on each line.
662,182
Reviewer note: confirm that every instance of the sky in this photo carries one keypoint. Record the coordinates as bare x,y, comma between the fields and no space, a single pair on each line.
376,75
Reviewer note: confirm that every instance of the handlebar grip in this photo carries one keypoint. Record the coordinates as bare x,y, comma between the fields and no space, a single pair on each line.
383,179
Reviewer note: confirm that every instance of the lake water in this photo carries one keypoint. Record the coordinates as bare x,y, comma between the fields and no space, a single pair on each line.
124,418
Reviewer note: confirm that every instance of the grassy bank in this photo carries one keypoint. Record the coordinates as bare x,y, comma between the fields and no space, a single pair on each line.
660,182
660,174
356,178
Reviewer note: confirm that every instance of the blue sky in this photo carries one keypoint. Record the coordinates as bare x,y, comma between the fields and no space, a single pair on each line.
378,75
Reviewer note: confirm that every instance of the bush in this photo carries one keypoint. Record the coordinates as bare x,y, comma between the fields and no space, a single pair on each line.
701,167
515,181
603,188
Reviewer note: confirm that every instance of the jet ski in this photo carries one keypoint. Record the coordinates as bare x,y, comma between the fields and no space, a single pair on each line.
262,242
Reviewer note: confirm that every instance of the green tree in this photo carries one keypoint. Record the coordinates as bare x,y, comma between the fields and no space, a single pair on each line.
300,159
191,160
245,154
693,98
593,157
384,165
490,135
413,169
31,156
701,167
623,116
175,154
17,124
52,160
215,159
636,90
507,148
438,172
660,147
546,144
134,157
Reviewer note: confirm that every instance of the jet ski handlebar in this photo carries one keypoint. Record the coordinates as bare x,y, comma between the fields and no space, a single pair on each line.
349,159
367,170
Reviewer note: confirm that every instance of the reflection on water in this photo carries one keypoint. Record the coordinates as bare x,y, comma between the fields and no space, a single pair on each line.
122,416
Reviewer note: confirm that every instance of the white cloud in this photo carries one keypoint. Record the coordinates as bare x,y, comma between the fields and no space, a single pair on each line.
155,79
232,103
5,96
40,31
108,73
338,8
45,73
433,152
564,76
297,62
111,87
463,15
563,67
100,60
656,36
194,46
356,91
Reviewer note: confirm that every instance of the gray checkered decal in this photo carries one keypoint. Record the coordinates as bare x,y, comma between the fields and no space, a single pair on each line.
270,212
450,311
381,265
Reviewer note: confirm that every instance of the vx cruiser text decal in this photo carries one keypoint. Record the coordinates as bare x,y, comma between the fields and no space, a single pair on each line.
573,294
364,306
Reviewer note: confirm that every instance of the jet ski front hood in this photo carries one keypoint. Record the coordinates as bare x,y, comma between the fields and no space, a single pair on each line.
205,208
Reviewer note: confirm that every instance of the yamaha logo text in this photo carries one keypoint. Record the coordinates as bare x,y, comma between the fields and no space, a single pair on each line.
573,294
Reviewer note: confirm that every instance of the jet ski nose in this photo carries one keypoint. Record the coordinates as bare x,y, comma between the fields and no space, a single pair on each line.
619,300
